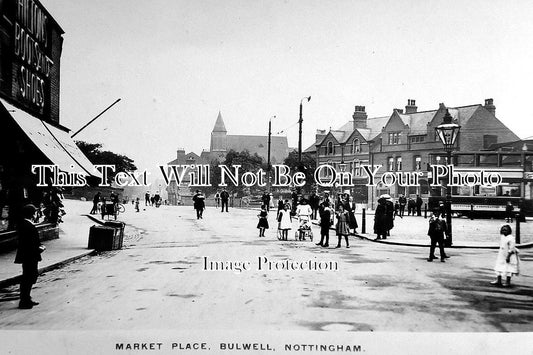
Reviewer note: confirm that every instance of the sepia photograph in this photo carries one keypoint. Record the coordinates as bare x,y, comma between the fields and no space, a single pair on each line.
266,176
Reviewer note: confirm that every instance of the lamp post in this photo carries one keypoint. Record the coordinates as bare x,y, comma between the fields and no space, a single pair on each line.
268,155
308,98
447,132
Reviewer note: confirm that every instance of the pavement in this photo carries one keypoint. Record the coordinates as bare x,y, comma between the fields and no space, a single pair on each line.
408,231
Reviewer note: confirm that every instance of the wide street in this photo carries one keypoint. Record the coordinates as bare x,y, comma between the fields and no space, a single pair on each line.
158,281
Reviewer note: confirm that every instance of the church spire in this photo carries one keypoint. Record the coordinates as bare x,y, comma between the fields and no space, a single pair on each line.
219,124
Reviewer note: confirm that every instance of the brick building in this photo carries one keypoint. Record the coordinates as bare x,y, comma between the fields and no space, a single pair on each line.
405,141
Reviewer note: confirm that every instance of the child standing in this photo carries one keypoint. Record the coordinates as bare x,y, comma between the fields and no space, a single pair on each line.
507,262
263,221
285,222
342,228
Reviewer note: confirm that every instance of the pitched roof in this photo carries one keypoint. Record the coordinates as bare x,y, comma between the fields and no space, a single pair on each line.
219,124
373,124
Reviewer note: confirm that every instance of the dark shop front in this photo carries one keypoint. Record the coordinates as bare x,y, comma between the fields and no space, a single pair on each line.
30,134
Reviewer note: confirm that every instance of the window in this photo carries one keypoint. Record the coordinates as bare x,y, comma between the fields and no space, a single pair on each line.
391,164
418,162
356,170
330,148
399,164
356,146
418,139
395,138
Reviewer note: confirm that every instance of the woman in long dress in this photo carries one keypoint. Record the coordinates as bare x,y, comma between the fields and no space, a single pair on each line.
507,262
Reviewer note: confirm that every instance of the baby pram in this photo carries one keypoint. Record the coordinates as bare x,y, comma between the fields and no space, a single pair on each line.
304,228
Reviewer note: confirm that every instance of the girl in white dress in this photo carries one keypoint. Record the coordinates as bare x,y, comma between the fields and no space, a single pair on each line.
507,262
285,222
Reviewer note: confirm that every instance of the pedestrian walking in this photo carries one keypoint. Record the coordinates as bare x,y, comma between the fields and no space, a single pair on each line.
263,221
96,199
507,262
199,204
137,204
224,198
342,227
436,231
325,223
285,221
411,206
28,254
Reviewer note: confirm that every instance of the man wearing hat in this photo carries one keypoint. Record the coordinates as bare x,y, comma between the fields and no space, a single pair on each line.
28,254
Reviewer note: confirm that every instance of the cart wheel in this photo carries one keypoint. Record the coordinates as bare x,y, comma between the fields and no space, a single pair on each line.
121,208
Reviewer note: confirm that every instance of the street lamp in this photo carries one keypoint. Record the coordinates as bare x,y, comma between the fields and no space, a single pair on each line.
269,140
308,98
447,132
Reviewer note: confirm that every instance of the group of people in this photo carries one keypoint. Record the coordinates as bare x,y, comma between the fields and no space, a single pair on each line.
99,201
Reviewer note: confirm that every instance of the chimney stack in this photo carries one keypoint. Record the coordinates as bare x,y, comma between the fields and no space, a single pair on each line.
411,106
359,117
489,105
181,153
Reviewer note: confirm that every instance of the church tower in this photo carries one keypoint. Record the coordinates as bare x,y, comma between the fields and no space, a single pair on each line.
218,136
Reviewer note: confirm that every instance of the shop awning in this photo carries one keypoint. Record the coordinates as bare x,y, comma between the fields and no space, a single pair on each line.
53,142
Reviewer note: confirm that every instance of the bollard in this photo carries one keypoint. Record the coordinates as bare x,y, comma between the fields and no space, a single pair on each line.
425,210
363,223
517,230
472,212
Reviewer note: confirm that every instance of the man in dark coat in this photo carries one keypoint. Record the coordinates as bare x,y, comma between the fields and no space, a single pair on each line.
389,215
224,198
96,199
436,231
199,204
266,200
28,254
314,202
419,205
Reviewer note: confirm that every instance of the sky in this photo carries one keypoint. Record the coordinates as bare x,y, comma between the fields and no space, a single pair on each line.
175,64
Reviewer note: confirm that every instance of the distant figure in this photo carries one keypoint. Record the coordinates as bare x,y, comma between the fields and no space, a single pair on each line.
147,198
411,205
294,198
436,231
314,202
224,198
280,203
28,254
137,204
403,202
266,200
419,203
509,212
263,221
217,200
96,199
507,262
199,204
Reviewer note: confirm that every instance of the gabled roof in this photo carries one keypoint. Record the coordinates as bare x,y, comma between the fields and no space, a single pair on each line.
374,126
219,124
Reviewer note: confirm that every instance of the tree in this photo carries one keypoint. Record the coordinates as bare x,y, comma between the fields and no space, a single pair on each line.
307,166
247,161
97,156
